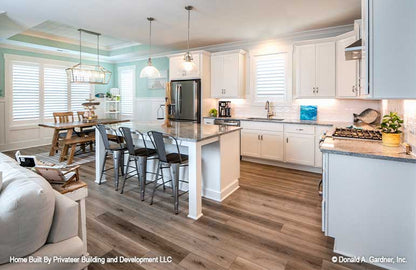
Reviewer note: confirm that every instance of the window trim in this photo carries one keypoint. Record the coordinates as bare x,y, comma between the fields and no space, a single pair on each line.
8,93
119,69
255,101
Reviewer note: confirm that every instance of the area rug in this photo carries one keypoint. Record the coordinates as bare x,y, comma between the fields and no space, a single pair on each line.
79,159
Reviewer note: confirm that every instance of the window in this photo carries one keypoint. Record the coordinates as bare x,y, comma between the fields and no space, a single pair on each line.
126,82
55,91
25,90
39,87
270,77
79,93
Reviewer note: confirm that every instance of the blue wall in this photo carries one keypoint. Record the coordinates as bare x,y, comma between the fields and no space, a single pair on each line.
142,90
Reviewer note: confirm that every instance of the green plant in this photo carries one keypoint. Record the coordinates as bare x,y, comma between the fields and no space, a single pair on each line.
108,95
213,112
391,123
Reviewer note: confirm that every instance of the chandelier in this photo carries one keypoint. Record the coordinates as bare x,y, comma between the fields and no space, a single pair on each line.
92,74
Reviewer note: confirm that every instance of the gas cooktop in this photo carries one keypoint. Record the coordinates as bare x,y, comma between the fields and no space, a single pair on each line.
356,133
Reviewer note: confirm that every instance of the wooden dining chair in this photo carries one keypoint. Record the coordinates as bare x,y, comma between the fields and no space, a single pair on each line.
61,117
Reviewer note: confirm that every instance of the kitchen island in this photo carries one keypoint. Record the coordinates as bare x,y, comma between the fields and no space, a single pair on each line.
369,201
214,158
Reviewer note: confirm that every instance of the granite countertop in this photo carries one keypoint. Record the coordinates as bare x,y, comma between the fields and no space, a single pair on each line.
186,131
275,120
364,148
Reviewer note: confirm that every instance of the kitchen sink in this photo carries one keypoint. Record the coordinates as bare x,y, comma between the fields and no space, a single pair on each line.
264,118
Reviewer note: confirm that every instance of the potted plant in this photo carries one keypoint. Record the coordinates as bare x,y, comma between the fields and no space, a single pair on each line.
390,128
213,112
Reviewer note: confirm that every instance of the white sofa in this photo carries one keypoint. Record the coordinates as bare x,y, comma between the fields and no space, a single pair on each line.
35,220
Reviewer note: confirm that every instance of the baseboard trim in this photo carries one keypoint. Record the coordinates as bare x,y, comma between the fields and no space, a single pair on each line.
220,196
283,164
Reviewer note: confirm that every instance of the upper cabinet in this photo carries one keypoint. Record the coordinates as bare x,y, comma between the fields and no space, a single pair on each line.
391,28
227,74
315,70
176,71
347,70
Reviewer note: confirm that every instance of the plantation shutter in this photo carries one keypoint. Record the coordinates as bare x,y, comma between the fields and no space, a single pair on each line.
55,91
79,93
270,76
25,91
127,89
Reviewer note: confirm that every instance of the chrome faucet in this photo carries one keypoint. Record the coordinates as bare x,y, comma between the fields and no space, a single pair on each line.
267,108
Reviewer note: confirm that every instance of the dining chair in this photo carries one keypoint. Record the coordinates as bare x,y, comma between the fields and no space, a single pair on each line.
140,156
62,117
171,161
116,149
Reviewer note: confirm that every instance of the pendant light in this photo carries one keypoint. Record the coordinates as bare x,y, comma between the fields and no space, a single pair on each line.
150,71
92,74
188,61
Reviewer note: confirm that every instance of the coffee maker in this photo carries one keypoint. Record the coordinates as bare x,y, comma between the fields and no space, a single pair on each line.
224,108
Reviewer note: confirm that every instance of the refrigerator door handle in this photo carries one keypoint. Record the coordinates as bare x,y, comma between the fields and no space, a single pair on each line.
179,93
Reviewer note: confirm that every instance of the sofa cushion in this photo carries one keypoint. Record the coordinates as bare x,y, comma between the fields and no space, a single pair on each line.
27,203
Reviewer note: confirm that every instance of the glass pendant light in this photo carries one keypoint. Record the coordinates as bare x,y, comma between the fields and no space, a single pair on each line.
150,71
188,61
92,74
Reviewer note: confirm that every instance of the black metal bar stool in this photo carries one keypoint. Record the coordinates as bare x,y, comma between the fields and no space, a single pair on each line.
140,156
171,161
117,150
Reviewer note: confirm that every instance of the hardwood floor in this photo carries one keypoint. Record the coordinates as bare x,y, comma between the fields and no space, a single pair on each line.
272,222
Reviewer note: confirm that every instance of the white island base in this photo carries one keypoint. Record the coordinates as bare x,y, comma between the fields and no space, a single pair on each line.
214,166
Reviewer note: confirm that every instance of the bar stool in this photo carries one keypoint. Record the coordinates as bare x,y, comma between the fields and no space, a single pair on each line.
172,161
117,150
140,156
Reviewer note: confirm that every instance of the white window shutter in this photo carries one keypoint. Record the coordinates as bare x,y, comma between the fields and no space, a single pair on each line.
270,76
25,91
127,90
80,92
55,91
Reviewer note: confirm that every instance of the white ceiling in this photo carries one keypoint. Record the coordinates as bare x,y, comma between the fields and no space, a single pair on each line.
212,21
63,32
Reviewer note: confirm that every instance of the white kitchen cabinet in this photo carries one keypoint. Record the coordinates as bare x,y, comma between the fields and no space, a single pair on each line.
392,48
315,70
250,143
347,70
227,74
176,71
300,149
271,146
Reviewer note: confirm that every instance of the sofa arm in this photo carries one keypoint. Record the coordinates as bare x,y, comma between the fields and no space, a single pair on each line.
65,219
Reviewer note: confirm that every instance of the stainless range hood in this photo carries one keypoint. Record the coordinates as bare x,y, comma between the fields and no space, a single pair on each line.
354,51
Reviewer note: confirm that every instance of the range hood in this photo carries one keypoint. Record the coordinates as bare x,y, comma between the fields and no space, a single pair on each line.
354,51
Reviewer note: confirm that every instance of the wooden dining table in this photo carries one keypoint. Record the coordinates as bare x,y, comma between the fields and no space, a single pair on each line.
69,128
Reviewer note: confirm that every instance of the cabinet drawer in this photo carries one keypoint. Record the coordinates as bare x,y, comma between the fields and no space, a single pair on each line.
300,129
261,126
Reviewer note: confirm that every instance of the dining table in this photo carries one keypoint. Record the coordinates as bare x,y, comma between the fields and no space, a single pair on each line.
69,128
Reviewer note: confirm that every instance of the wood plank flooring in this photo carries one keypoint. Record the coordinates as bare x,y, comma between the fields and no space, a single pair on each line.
272,222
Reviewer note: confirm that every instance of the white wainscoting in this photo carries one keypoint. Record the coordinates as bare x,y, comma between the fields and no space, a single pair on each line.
2,121
145,109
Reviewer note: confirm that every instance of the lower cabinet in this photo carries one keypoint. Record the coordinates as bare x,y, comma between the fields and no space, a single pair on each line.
250,143
291,143
300,149
262,144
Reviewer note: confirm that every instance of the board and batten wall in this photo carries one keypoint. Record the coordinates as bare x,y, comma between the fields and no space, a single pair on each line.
19,137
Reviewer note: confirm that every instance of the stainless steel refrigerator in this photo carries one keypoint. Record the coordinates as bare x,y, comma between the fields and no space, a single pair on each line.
185,100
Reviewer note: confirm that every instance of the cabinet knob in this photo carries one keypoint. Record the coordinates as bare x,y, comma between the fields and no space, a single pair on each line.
317,89
353,88
313,90
287,140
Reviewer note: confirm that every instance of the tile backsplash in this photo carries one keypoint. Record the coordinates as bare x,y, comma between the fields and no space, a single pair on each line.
407,110
334,110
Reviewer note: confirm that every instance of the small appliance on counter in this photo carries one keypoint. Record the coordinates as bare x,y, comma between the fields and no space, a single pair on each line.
224,108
